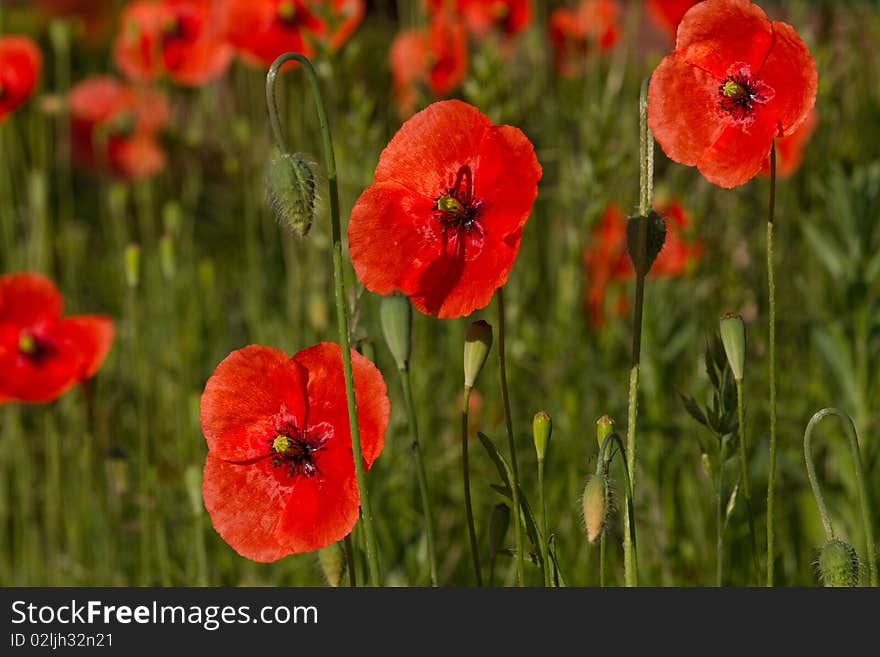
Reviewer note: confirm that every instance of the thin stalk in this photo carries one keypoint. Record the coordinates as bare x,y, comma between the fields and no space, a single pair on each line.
602,560
719,519
771,295
505,397
339,278
646,183
743,467
420,475
852,435
603,464
349,561
466,477
545,547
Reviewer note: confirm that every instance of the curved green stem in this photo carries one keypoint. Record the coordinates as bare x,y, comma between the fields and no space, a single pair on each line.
511,444
771,294
603,463
852,435
466,476
420,475
338,274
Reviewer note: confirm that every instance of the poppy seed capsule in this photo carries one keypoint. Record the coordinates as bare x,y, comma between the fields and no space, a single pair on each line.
477,345
542,428
733,337
290,186
655,237
595,506
395,313
838,564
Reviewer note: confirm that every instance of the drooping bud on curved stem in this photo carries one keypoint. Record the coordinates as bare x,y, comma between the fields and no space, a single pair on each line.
838,564
833,558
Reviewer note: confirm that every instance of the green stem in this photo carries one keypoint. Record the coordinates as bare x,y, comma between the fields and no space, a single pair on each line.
466,476
852,435
349,561
545,547
339,277
602,560
420,475
505,397
603,464
719,519
743,467
771,295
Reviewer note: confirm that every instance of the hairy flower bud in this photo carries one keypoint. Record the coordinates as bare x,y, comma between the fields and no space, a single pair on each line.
596,502
838,564
290,185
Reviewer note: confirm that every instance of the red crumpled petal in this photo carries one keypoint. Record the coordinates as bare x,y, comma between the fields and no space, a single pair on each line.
28,298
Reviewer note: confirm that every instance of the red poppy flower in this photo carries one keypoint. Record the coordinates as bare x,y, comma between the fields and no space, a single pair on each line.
790,149
667,14
279,477
180,37
606,261
435,58
20,63
735,81
262,30
94,15
42,355
443,218
344,18
509,17
575,32
114,127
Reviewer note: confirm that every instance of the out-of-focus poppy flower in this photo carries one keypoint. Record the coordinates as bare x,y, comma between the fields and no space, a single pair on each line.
734,82
42,354
94,15
509,17
606,260
667,14
183,38
443,219
575,32
279,476
790,149
343,20
114,127
20,63
435,58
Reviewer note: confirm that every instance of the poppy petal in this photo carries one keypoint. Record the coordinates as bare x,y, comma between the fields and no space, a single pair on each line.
41,378
429,149
716,34
738,153
791,71
250,393
245,503
91,336
683,109
28,298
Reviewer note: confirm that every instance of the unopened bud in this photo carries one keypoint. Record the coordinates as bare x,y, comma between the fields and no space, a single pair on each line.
542,427
733,337
290,185
604,426
596,501
395,313
132,259
332,564
477,344
838,564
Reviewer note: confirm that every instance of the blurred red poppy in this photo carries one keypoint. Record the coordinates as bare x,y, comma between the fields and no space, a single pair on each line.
735,81
183,38
667,14
264,29
279,476
42,354
790,149
509,17
435,58
607,261
443,219
576,32
94,15
114,127
20,63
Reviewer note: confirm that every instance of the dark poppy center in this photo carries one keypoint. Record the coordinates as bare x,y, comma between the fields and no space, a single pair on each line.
32,347
296,449
741,93
287,13
457,209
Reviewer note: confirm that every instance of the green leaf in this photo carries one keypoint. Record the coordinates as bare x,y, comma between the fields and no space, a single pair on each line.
691,406
557,577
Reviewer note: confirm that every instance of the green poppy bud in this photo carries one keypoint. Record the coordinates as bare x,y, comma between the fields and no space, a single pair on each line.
132,260
733,337
542,427
477,345
332,564
596,501
838,564
395,313
290,185
604,426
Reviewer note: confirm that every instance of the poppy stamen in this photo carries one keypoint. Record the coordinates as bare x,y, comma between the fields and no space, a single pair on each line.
287,12
296,449
741,93
457,209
